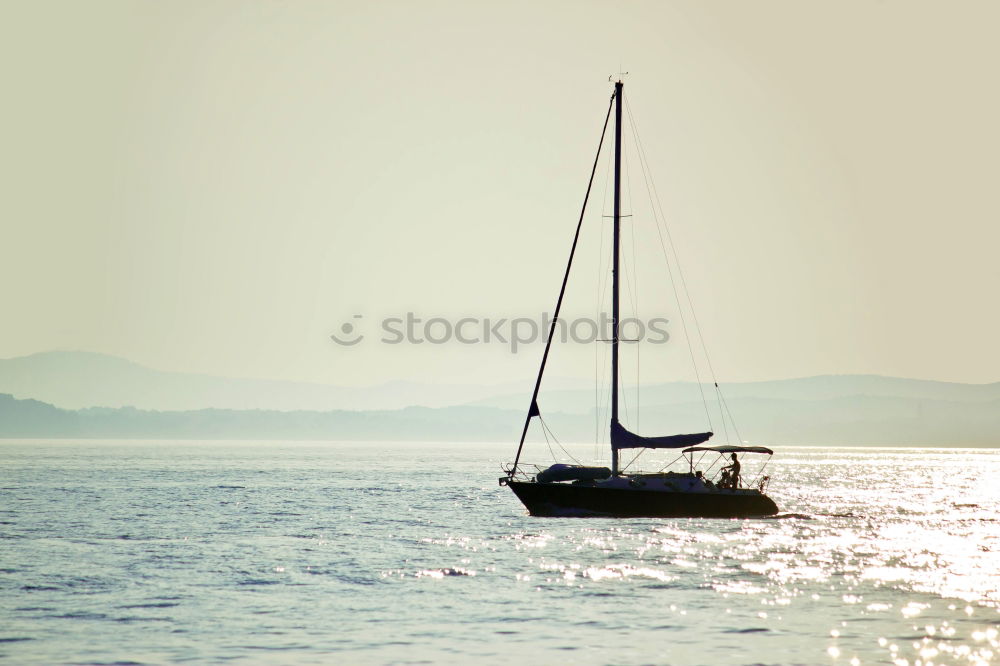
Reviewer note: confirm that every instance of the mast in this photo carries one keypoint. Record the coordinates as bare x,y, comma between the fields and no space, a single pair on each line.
533,407
615,270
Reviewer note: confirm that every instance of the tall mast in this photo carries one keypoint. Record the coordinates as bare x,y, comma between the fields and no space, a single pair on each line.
533,408
615,269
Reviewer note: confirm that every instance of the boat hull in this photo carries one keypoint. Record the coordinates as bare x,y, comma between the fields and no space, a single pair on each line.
565,499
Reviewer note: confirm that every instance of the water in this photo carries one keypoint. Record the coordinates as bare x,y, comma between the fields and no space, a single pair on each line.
160,552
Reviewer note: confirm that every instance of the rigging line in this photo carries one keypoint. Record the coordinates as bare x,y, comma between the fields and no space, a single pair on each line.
603,385
760,473
638,347
604,400
532,407
680,457
630,269
628,288
624,396
731,419
604,262
607,180
603,391
718,396
552,453
641,451
607,390
673,283
545,426
694,463
635,276
599,300
602,408
597,397
603,276
714,462
631,284
723,405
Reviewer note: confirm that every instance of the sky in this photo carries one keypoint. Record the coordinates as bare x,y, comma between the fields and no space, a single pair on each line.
217,187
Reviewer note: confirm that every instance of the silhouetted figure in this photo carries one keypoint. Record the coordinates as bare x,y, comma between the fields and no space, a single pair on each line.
731,474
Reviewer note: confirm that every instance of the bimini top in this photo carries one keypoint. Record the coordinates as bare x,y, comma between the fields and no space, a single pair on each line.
732,449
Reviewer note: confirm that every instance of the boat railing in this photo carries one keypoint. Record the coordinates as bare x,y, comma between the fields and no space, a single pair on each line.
528,471
523,471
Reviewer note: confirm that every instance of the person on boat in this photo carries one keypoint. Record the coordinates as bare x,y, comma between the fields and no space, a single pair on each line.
731,473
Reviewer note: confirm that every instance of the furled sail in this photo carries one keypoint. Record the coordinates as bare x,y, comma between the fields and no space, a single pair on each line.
623,439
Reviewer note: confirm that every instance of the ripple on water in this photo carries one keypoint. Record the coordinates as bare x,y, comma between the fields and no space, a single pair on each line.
345,554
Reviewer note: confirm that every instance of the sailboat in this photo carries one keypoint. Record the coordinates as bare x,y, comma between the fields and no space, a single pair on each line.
581,490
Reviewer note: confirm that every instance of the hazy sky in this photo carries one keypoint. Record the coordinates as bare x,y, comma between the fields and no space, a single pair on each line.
217,186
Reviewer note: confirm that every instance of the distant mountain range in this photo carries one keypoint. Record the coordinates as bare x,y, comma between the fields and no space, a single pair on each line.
38,420
76,380
823,387
860,420
79,395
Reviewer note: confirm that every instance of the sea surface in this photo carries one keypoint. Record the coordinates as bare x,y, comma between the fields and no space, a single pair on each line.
409,553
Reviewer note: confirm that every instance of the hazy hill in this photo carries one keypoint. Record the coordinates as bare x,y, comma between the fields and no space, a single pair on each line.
859,420
76,394
824,387
33,419
75,380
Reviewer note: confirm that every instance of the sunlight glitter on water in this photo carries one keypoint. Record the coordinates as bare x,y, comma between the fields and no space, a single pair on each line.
859,547
310,556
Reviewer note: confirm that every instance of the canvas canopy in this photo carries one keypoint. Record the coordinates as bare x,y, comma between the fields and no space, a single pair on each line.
731,449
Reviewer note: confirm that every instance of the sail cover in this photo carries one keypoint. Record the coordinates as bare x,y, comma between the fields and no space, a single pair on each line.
562,472
623,439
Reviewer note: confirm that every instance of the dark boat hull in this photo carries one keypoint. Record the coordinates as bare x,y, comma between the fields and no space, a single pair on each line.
564,499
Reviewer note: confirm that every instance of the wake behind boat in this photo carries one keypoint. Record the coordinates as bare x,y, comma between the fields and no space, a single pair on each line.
581,490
